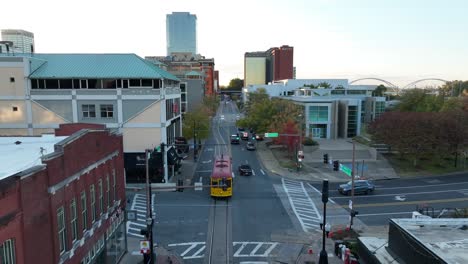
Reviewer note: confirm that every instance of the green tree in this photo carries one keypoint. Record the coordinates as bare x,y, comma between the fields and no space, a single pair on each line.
418,100
455,88
236,84
379,90
210,105
196,122
324,85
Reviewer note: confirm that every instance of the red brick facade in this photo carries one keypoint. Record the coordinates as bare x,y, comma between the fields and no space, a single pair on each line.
282,63
86,158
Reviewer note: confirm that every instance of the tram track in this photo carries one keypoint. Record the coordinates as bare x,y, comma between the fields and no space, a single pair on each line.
219,243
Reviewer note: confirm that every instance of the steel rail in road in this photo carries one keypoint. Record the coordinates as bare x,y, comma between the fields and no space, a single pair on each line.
219,250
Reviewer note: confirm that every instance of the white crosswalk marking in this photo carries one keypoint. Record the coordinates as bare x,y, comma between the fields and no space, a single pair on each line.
194,250
139,205
302,205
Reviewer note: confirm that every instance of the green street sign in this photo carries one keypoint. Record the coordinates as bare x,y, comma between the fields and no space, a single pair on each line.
271,134
345,169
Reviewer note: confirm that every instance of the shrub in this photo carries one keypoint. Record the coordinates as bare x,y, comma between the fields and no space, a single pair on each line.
309,142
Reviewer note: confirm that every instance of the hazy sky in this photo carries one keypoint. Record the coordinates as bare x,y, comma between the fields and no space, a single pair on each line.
397,40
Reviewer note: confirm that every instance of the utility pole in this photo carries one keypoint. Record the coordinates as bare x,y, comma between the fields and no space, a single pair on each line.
352,188
149,220
323,254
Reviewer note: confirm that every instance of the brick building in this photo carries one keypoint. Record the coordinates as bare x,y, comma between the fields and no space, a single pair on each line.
62,197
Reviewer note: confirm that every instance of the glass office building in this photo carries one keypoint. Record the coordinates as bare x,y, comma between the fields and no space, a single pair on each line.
181,32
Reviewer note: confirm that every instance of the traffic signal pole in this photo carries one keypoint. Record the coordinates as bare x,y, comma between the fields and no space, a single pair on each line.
352,188
149,258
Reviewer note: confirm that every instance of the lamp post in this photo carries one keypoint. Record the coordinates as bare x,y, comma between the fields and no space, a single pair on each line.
323,254
149,225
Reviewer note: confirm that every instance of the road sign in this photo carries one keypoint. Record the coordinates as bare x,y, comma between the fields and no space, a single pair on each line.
271,134
350,204
345,169
144,246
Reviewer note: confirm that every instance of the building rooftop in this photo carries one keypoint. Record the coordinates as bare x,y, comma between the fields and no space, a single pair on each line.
21,153
93,66
446,238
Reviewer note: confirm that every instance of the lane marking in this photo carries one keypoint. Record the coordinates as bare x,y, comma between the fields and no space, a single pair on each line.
412,202
253,172
422,186
401,194
262,171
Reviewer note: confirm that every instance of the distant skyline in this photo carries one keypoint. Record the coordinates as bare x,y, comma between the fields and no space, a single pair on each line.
399,41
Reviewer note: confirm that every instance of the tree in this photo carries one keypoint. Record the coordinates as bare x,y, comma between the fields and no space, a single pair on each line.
418,100
379,90
210,105
288,130
236,84
455,88
324,85
196,122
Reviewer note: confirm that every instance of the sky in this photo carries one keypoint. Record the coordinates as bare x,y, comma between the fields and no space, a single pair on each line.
396,40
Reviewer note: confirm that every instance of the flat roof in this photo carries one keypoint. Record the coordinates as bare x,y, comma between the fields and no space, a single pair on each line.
15,158
446,238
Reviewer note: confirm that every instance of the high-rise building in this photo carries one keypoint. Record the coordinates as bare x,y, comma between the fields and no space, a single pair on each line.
255,68
181,32
263,67
23,41
281,63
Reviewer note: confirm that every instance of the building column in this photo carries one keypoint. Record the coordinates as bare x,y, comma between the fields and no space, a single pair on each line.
74,106
119,109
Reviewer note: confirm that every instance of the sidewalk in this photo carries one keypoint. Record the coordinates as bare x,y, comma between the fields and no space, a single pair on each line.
133,255
375,166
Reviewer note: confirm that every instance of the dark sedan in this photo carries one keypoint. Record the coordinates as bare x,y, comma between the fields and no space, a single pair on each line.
360,187
245,169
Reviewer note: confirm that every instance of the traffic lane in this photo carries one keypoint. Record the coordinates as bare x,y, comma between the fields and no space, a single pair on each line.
378,197
181,217
383,189
379,213
257,210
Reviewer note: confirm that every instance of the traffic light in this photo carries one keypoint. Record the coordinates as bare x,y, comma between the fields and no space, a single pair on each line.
354,213
325,158
336,165
162,147
253,136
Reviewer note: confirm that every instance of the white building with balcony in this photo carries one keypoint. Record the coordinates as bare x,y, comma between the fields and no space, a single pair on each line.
122,91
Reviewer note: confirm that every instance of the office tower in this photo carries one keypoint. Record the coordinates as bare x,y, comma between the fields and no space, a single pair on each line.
181,32
23,41
255,66
280,63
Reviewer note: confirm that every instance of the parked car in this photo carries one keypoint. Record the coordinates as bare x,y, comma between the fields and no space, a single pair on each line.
235,139
245,169
240,129
360,186
250,146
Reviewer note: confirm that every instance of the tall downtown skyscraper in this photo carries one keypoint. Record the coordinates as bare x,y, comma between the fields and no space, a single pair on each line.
23,41
181,32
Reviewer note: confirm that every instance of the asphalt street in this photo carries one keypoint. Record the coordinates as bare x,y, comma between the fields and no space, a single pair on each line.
400,197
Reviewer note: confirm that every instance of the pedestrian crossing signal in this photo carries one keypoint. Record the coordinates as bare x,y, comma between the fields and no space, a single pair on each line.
336,165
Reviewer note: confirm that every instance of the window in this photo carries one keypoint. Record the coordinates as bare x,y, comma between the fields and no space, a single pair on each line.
113,185
89,111
61,229
66,83
108,191
12,79
83,84
73,225
125,83
135,83
352,121
84,212
52,84
7,252
15,108
107,111
101,199
318,113
92,197
147,83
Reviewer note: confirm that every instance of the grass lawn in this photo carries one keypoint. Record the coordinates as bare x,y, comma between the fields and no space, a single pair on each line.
405,167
